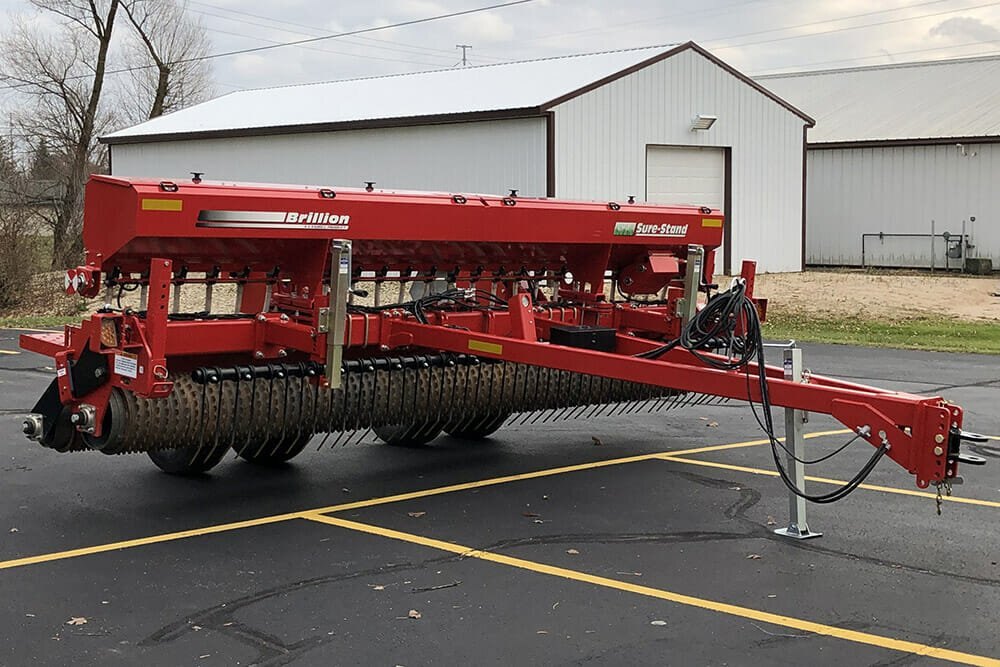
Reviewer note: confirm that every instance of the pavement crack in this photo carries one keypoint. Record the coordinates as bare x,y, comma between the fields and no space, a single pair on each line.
617,538
749,497
271,650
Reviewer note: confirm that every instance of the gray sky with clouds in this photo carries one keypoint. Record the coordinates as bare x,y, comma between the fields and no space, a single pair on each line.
756,36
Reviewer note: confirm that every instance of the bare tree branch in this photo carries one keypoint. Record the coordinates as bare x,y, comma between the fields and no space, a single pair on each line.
166,35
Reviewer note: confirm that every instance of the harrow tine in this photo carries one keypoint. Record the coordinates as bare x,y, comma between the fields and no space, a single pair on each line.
251,426
545,394
326,436
356,382
664,402
625,406
340,436
525,417
267,412
642,406
286,382
218,420
236,409
315,405
567,403
492,400
370,403
599,404
364,434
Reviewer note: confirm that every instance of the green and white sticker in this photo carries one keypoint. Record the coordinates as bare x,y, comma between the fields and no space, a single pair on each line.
624,229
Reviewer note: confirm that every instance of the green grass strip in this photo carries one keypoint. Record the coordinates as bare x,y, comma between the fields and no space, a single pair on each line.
924,333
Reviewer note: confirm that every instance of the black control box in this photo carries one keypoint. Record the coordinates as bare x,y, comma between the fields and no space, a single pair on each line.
589,338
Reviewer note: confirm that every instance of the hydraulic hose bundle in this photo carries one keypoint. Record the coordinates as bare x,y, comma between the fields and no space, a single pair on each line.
730,323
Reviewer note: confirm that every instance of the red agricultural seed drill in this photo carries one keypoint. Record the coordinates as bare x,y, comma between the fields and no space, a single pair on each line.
409,314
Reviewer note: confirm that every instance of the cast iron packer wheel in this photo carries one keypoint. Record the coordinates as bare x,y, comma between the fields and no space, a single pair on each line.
408,435
188,460
274,452
478,428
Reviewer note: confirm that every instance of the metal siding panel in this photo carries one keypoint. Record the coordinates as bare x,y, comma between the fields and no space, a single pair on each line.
957,98
601,140
900,190
483,157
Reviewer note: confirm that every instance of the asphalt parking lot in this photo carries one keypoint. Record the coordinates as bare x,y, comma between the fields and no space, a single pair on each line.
539,546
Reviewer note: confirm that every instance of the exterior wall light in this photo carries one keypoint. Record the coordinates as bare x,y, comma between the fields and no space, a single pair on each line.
703,122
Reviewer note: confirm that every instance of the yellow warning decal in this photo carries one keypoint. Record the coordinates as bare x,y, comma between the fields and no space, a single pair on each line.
483,346
162,204
711,222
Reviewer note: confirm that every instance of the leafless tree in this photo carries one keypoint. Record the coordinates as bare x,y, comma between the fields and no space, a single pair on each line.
172,42
61,73
58,63
16,251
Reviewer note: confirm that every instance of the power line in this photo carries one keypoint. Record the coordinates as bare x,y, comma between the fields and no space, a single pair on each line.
615,27
307,34
331,51
444,52
849,28
790,69
833,20
311,40
360,31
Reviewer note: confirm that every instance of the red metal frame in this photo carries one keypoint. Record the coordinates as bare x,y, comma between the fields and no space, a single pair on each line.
275,243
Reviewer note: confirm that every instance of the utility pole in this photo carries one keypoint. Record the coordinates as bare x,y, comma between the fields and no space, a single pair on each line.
465,48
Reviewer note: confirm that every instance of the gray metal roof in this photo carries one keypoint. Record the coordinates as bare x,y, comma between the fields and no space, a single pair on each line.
912,101
505,90
482,89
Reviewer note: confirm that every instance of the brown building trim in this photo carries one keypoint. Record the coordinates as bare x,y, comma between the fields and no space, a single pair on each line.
805,135
672,52
464,117
727,211
888,143
550,154
381,123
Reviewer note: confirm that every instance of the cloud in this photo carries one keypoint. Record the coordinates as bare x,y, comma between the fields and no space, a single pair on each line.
485,28
966,27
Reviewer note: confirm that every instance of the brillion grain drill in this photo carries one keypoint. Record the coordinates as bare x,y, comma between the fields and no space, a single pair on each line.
412,314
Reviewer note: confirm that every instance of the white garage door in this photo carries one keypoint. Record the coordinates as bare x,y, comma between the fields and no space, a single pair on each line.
686,175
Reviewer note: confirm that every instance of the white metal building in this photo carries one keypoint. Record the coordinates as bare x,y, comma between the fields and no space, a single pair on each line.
897,151
598,126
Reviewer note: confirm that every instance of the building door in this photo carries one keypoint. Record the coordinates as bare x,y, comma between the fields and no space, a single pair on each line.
692,175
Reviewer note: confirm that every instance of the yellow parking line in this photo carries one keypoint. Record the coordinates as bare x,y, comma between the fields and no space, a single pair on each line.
791,622
143,541
250,523
9,352
825,480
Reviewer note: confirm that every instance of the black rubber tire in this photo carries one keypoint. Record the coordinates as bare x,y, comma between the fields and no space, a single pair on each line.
477,429
408,435
188,460
268,457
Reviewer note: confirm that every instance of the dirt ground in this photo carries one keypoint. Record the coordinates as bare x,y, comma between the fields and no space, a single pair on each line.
841,293
882,295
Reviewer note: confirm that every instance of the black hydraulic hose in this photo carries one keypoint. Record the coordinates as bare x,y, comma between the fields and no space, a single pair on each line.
715,326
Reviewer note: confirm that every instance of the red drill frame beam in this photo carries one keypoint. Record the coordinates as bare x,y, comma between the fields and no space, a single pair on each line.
907,421
274,243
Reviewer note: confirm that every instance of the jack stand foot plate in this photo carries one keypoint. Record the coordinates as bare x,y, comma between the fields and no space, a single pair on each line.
793,532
